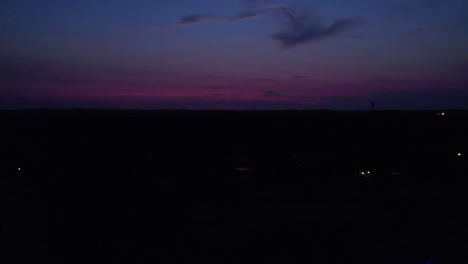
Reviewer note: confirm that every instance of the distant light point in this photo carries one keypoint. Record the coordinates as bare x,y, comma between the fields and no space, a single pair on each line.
19,169
459,154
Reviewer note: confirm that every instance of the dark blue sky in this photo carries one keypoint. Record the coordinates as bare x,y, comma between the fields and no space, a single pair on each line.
234,54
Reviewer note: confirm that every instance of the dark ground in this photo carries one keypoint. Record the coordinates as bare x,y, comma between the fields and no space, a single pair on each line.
233,187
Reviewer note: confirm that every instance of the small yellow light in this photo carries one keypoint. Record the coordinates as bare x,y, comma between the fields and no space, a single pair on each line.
362,173
459,154
443,113
19,169
368,172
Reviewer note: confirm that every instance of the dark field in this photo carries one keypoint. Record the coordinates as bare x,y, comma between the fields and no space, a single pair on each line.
233,187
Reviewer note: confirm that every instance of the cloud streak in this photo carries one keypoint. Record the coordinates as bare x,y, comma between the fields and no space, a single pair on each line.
194,19
298,77
303,28
270,93
198,18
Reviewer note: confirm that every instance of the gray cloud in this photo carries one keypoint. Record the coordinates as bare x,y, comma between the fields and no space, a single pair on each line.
261,80
193,19
382,80
303,28
243,15
270,93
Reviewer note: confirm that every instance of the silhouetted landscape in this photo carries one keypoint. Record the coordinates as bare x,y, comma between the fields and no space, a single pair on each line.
234,131
113,186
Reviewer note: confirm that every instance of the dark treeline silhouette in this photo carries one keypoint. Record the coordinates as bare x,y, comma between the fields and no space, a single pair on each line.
233,187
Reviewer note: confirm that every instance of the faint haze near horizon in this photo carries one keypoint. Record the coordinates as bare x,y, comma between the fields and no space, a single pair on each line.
234,54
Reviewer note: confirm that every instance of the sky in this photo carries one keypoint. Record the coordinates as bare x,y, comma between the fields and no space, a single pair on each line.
234,54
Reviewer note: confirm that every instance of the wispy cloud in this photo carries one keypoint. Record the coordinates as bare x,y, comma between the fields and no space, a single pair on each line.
242,15
301,27
194,19
298,76
270,93
261,80
382,81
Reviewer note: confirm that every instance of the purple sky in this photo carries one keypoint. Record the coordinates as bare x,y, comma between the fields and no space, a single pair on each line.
234,54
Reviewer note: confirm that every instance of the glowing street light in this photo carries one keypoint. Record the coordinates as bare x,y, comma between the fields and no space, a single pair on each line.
459,154
365,173
19,169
